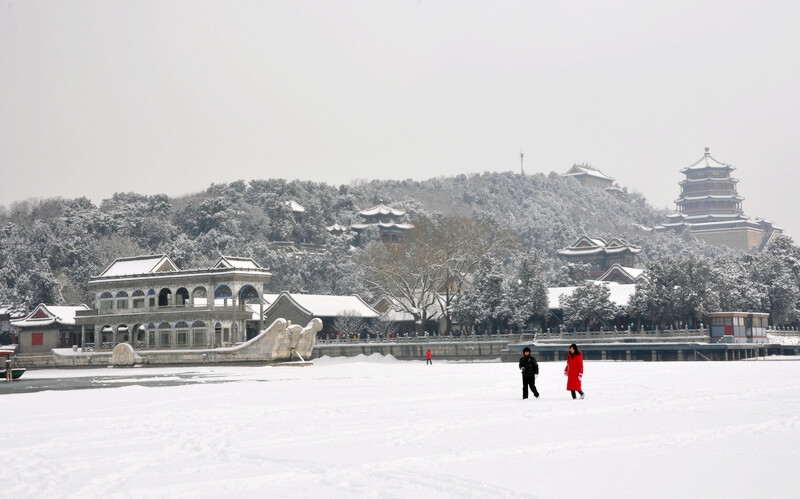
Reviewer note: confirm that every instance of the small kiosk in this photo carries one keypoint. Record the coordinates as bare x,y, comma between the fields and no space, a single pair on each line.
738,327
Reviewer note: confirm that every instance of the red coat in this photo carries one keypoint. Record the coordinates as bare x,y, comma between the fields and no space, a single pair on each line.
574,371
428,355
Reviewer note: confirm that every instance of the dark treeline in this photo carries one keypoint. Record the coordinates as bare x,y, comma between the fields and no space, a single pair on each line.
50,247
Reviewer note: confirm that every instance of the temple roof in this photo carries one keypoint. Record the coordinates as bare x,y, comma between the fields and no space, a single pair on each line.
297,208
698,197
585,169
325,305
585,246
387,225
707,162
46,315
708,179
629,274
382,210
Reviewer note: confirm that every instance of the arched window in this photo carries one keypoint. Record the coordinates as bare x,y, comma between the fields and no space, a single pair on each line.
138,299
106,301
164,297
164,334
151,335
139,335
199,334
224,293
122,300
248,294
123,335
200,297
181,297
151,298
181,334
106,336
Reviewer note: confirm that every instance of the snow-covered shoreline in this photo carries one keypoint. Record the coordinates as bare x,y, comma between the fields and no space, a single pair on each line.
378,427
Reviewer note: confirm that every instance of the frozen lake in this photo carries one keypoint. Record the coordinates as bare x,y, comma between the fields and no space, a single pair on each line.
377,427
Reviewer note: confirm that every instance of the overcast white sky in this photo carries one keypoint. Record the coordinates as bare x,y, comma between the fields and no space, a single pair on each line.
98,97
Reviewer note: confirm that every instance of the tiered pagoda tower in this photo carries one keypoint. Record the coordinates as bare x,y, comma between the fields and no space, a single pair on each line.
710,207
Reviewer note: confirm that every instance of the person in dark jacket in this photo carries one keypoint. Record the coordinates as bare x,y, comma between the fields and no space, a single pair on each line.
574,370
529,368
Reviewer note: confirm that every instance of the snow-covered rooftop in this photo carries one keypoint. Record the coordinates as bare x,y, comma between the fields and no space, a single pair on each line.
137,265
328,305
296,207
586,246
586,170
232,262
707,162
381,209
45,315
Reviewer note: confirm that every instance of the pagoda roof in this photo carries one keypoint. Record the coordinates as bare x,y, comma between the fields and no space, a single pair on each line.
586,246
707,162
382,210
732,196
383,225
707,179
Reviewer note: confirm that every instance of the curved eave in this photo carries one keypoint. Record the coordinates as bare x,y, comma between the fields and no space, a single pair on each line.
616,251
569,252
733,216
731,197
708,179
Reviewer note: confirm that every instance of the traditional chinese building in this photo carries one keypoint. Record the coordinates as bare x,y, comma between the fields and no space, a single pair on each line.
300,308
298,210
48,327
586,174
711,208
149,302
602,256
389,222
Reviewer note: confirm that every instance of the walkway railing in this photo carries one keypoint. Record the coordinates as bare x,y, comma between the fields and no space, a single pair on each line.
629,335
466,338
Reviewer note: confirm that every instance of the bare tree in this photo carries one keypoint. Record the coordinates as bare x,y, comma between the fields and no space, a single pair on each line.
350,323
382,326
411,272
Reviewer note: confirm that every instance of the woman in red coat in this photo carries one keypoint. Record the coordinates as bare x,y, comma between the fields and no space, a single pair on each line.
574,370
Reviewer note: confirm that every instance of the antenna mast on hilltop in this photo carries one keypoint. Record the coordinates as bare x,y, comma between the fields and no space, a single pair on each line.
521,165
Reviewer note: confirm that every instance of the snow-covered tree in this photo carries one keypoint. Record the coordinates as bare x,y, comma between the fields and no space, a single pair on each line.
485,303
527,293
678,291
589,307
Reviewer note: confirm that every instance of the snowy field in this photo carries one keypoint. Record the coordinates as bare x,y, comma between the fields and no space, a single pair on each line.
378,427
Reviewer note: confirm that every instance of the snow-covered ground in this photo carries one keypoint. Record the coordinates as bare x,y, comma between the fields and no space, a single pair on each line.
377,427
